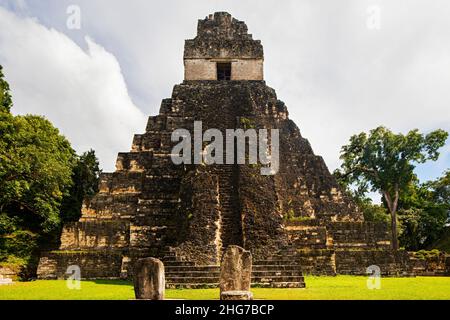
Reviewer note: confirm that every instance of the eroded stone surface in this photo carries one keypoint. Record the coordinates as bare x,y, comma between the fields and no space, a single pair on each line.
447,265
149,279
5,280
236,270
236,295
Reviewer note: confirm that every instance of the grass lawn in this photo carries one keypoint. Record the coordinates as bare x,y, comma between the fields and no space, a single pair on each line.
318,288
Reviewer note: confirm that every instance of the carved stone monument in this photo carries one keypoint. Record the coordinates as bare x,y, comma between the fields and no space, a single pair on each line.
236,274
149,279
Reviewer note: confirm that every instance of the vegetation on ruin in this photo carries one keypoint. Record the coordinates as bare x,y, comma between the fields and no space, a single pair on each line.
384,162
247,123
318,288
42,184
443,243
427,255
290,217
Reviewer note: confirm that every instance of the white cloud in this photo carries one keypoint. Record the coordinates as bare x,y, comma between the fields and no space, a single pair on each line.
82,92
336,76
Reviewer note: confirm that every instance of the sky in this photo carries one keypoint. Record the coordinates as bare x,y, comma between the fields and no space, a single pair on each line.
341,67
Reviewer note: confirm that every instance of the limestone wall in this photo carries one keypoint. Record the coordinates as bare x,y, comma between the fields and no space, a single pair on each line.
95,235
359,235
447,265
221,36
93,264
247,69
9,273
437,265
200,69
356,262
317,262
241,69
313,237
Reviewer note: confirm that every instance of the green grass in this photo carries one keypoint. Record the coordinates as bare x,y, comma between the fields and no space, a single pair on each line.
327,288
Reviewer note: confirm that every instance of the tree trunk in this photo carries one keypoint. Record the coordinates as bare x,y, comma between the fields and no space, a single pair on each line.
392,206
394,230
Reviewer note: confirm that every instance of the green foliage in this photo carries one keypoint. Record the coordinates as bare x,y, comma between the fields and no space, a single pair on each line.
35,172
424,211
374,213
35,169
247,123
18,247
85,179
443,243
440,190
21,244
384,162
14,263
290,217
39,174
5,96
427,254
299,219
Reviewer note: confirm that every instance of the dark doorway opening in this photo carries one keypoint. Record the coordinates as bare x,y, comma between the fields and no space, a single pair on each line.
224,71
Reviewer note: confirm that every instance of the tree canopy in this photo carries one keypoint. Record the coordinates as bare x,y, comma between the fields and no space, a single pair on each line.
35,168
5,96
384,162
424,211
85,176
42,182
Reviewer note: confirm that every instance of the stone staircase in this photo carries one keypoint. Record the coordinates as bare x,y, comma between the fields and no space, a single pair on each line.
311,246
231,230
278,271
275,272
318,261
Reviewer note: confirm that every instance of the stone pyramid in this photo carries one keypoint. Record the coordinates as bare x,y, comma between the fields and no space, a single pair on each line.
295,221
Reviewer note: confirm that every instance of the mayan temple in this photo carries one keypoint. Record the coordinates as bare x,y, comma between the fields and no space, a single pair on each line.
295,222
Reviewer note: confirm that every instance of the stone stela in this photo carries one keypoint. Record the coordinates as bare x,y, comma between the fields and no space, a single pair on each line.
149,279
236,274
298,220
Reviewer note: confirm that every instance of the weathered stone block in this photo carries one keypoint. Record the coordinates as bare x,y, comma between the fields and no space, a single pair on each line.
7,276
149,279
236,270
236,295
447,265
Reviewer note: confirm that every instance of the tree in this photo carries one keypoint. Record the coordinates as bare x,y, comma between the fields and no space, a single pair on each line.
440,189
42,183
35,170
424,211
384,162
85,177
5,97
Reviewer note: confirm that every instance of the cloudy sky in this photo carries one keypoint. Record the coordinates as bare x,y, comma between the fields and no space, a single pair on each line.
339,68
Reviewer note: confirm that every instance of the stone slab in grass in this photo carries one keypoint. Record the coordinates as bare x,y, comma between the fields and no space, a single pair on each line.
236,295
149,279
